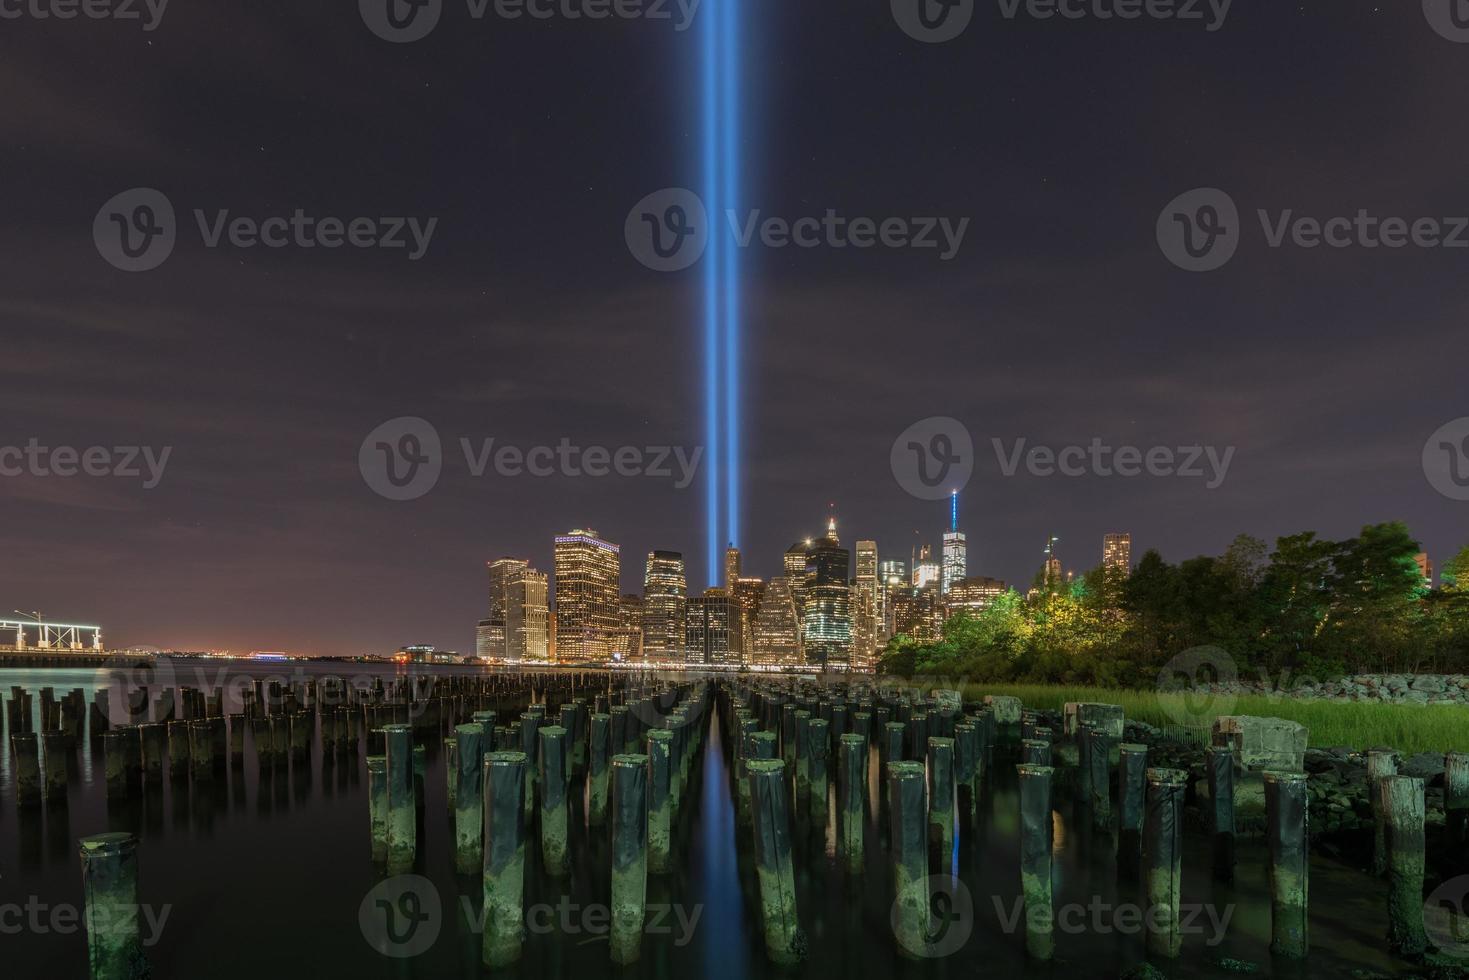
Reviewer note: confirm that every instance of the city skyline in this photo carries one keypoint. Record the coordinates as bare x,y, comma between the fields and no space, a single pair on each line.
528,321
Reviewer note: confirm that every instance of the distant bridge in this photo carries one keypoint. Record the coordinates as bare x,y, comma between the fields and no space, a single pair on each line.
33,636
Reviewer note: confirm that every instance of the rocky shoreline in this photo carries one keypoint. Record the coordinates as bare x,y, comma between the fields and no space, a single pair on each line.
1379,688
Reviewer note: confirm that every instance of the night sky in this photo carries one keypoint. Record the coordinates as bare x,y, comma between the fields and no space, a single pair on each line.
528,320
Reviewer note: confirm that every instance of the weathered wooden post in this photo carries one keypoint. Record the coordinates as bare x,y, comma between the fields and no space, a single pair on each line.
785,943
468,763
27,749
941,789
115,745
660,822
402,820
852,797
598,763
1132,785
1099,762
1402,802
1035,859
53,748
1219,763
909,847
1163,859
377,805
504,850
1035,752
816,756
629,855
1381,763
1456,797
155,748
110,885
555,804
1286,815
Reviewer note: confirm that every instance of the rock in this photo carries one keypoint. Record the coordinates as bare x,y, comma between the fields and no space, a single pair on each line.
1424,765
1263,743
1107,717
1429,683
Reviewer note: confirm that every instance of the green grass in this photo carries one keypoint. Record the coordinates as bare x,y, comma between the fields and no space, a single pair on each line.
1358,725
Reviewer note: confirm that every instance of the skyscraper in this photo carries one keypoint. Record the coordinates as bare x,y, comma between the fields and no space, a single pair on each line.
627,639
665,607
777,640
795,567
926,571
588,599
731,567
1117,553
973,594
714,623
527,617
1051,570
503,571
826,620
891,574
955,553
747,594
866,608
1425,566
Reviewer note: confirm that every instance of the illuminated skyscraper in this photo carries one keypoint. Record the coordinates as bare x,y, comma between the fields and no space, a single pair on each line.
527,618
826,620
503,571
866,608
973,594
665,607
588,599
926,571
955,553
731,567
1117,553
777,641
795,567
1425,566
891,574
748,594
627,639
713,637
917,613
1051,570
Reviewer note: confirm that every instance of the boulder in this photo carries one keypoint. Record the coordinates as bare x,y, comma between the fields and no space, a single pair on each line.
1006,709
1107,717
1263,743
